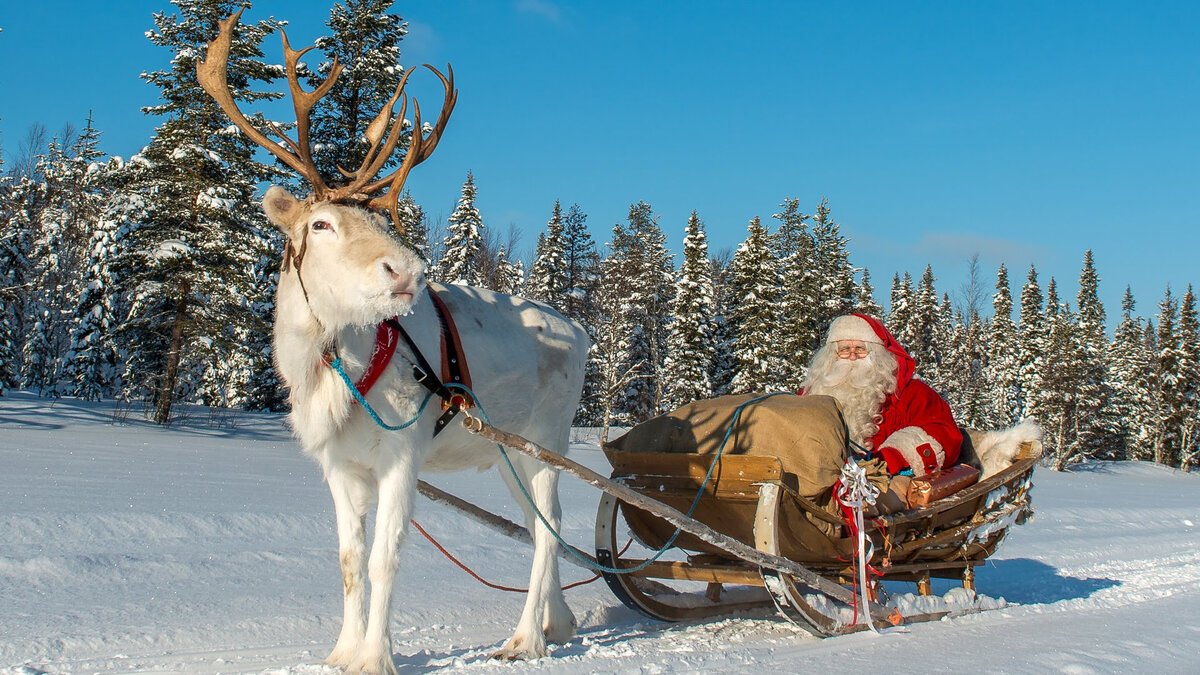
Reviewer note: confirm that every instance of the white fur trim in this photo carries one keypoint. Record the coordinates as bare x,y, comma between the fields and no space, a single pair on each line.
996,449
907,440
850,327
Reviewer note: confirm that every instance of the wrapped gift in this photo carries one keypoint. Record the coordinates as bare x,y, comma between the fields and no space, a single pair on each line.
934,486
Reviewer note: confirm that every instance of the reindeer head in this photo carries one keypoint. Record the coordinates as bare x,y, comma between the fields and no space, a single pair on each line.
354,272
349,267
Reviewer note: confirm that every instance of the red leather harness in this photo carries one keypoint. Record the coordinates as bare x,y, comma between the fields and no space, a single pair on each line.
454,364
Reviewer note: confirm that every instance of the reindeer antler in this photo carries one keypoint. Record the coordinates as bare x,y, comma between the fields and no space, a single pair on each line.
212,74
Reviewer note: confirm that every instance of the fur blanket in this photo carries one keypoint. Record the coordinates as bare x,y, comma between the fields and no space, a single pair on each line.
993,451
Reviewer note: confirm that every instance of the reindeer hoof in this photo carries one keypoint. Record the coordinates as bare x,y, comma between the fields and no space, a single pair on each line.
519,649
375,665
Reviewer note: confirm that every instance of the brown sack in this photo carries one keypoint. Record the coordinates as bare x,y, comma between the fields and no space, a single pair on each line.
805,432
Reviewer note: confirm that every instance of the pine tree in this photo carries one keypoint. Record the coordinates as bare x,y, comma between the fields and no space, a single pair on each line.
91,362
548,278
835,274
1096,430
509,276
755,287
414,228
864,297
581,263
724,363
921,340
1129,372
902,315
1169,394
691,344
23,202
366,42
613,367
9,371
191,261
800,303
1003,359
646,310
74,189
460,263
1189,375
1031,347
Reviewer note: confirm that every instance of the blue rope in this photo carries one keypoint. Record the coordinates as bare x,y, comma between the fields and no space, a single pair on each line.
337,367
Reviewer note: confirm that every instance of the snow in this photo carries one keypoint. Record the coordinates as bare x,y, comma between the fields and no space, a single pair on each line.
209,547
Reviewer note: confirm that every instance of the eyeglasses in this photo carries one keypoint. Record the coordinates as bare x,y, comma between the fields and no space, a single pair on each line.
845,352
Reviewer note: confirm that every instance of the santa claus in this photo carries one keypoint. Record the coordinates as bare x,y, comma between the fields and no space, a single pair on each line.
888,412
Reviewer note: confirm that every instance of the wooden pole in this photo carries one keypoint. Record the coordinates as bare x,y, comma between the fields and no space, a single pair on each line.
494,522
671,515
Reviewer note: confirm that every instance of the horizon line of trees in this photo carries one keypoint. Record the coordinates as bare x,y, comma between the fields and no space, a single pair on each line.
151,280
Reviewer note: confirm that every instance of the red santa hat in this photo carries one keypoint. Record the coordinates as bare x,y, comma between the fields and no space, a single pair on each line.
852,327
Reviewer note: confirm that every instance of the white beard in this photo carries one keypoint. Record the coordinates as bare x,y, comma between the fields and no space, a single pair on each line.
860,387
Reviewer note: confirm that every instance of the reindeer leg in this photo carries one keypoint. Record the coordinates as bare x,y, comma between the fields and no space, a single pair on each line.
352,495
546,616
396,491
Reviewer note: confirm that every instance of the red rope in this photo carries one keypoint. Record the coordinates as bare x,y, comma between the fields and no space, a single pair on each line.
487,583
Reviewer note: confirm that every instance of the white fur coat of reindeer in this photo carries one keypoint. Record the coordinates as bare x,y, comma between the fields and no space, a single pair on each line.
344,273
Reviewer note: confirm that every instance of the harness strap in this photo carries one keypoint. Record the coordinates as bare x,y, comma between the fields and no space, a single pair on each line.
454,367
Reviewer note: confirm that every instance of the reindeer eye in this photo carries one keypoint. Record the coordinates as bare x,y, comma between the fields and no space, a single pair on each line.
320,225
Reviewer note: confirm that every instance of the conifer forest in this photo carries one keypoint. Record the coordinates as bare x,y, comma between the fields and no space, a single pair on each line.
150,279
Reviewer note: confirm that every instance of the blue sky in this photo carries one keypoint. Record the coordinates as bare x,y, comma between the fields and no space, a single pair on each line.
1024,132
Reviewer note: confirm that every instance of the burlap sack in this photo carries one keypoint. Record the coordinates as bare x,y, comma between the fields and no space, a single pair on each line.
806,433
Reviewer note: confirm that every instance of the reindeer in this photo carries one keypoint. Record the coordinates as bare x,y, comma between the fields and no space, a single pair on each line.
343,274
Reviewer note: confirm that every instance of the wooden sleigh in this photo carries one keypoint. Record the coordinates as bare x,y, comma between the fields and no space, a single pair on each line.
748,499
753,542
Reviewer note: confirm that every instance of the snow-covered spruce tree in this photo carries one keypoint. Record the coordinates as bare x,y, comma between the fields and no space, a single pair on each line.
864,297
508,277
646,310
192,260
1000,375
24,199
414,228
90,371
755,289
1055,403
1189,374
1031,343
548,276
943,377
1096,430
962,367
75,190
724,363
1130,373
1169,390
835,274
366,42
800,303
611,366
902,312
691,344
9,347
582,273
460,262
922,343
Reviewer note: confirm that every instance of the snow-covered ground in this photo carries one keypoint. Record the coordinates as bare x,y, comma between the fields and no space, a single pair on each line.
210,547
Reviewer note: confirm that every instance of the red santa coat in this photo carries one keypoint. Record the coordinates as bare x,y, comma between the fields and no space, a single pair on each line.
917,430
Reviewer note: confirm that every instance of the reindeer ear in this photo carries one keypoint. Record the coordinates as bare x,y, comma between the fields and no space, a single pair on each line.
281,208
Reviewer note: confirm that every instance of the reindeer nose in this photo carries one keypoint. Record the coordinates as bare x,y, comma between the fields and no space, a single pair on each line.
390,271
